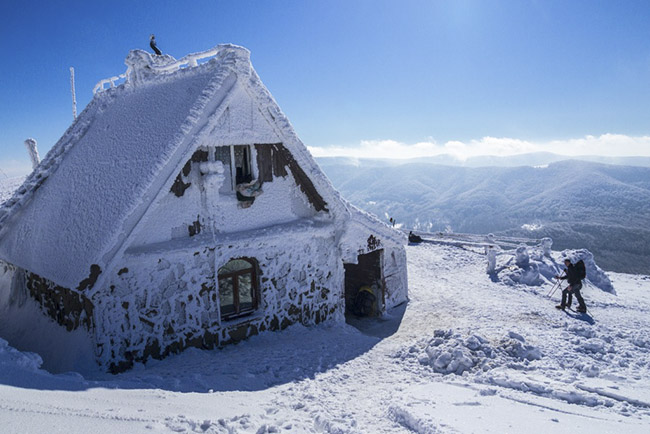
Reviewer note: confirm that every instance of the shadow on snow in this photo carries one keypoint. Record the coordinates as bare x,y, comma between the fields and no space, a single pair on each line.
580,316
263,361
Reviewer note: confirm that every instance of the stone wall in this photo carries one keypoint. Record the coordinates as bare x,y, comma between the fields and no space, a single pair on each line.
171,302
71,309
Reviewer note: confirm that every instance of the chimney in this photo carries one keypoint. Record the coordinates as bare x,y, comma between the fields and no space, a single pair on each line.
30,144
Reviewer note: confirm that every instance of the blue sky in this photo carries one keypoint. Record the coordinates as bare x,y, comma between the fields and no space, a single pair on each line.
355,74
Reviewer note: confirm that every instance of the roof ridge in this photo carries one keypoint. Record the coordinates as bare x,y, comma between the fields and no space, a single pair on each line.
143,66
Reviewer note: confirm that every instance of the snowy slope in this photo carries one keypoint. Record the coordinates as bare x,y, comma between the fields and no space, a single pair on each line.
518,365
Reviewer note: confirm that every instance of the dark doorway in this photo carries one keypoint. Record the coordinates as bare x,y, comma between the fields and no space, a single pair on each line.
365,276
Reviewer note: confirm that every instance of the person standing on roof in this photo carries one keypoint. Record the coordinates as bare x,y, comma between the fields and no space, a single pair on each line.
152,44
573,276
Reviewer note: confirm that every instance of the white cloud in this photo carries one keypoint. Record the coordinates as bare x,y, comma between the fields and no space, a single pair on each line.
613,145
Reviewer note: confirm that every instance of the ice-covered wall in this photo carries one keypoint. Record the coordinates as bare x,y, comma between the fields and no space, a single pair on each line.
202,199
24,325
68,308
395,276
204,207
161,296
242,122
162,301
363,234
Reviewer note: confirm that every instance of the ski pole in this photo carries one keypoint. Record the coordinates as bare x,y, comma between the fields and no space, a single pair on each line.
555,287
550,291
559,285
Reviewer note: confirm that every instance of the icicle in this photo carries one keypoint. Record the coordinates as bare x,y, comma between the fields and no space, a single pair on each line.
74,97
30,144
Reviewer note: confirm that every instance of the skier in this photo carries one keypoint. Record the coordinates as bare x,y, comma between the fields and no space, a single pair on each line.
573,275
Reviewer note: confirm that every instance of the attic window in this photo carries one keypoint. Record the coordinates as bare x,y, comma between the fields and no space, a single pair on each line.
238,288
242,164
242,169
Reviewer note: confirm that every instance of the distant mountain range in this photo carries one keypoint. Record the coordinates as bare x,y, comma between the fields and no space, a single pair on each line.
602,207
530,159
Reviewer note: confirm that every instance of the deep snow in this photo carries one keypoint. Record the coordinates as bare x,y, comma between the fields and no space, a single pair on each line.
466,354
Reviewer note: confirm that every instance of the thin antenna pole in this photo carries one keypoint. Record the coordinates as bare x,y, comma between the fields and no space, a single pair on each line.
74,97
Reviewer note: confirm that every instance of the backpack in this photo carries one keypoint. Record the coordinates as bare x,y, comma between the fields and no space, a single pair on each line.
580,269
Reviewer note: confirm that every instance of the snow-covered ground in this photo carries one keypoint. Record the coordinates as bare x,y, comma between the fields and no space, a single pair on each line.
465,354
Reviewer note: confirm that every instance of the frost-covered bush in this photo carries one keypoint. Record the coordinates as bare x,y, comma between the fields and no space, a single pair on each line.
546,245
522,259
528,275
523,267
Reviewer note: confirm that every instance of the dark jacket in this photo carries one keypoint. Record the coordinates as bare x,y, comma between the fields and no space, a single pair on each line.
571,275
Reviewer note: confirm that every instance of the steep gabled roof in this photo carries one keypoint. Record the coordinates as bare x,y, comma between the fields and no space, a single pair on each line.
80,204
76,203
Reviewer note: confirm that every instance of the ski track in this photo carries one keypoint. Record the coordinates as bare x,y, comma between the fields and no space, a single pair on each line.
335,379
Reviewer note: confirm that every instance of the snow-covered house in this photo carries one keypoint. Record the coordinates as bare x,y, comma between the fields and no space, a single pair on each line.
181,209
